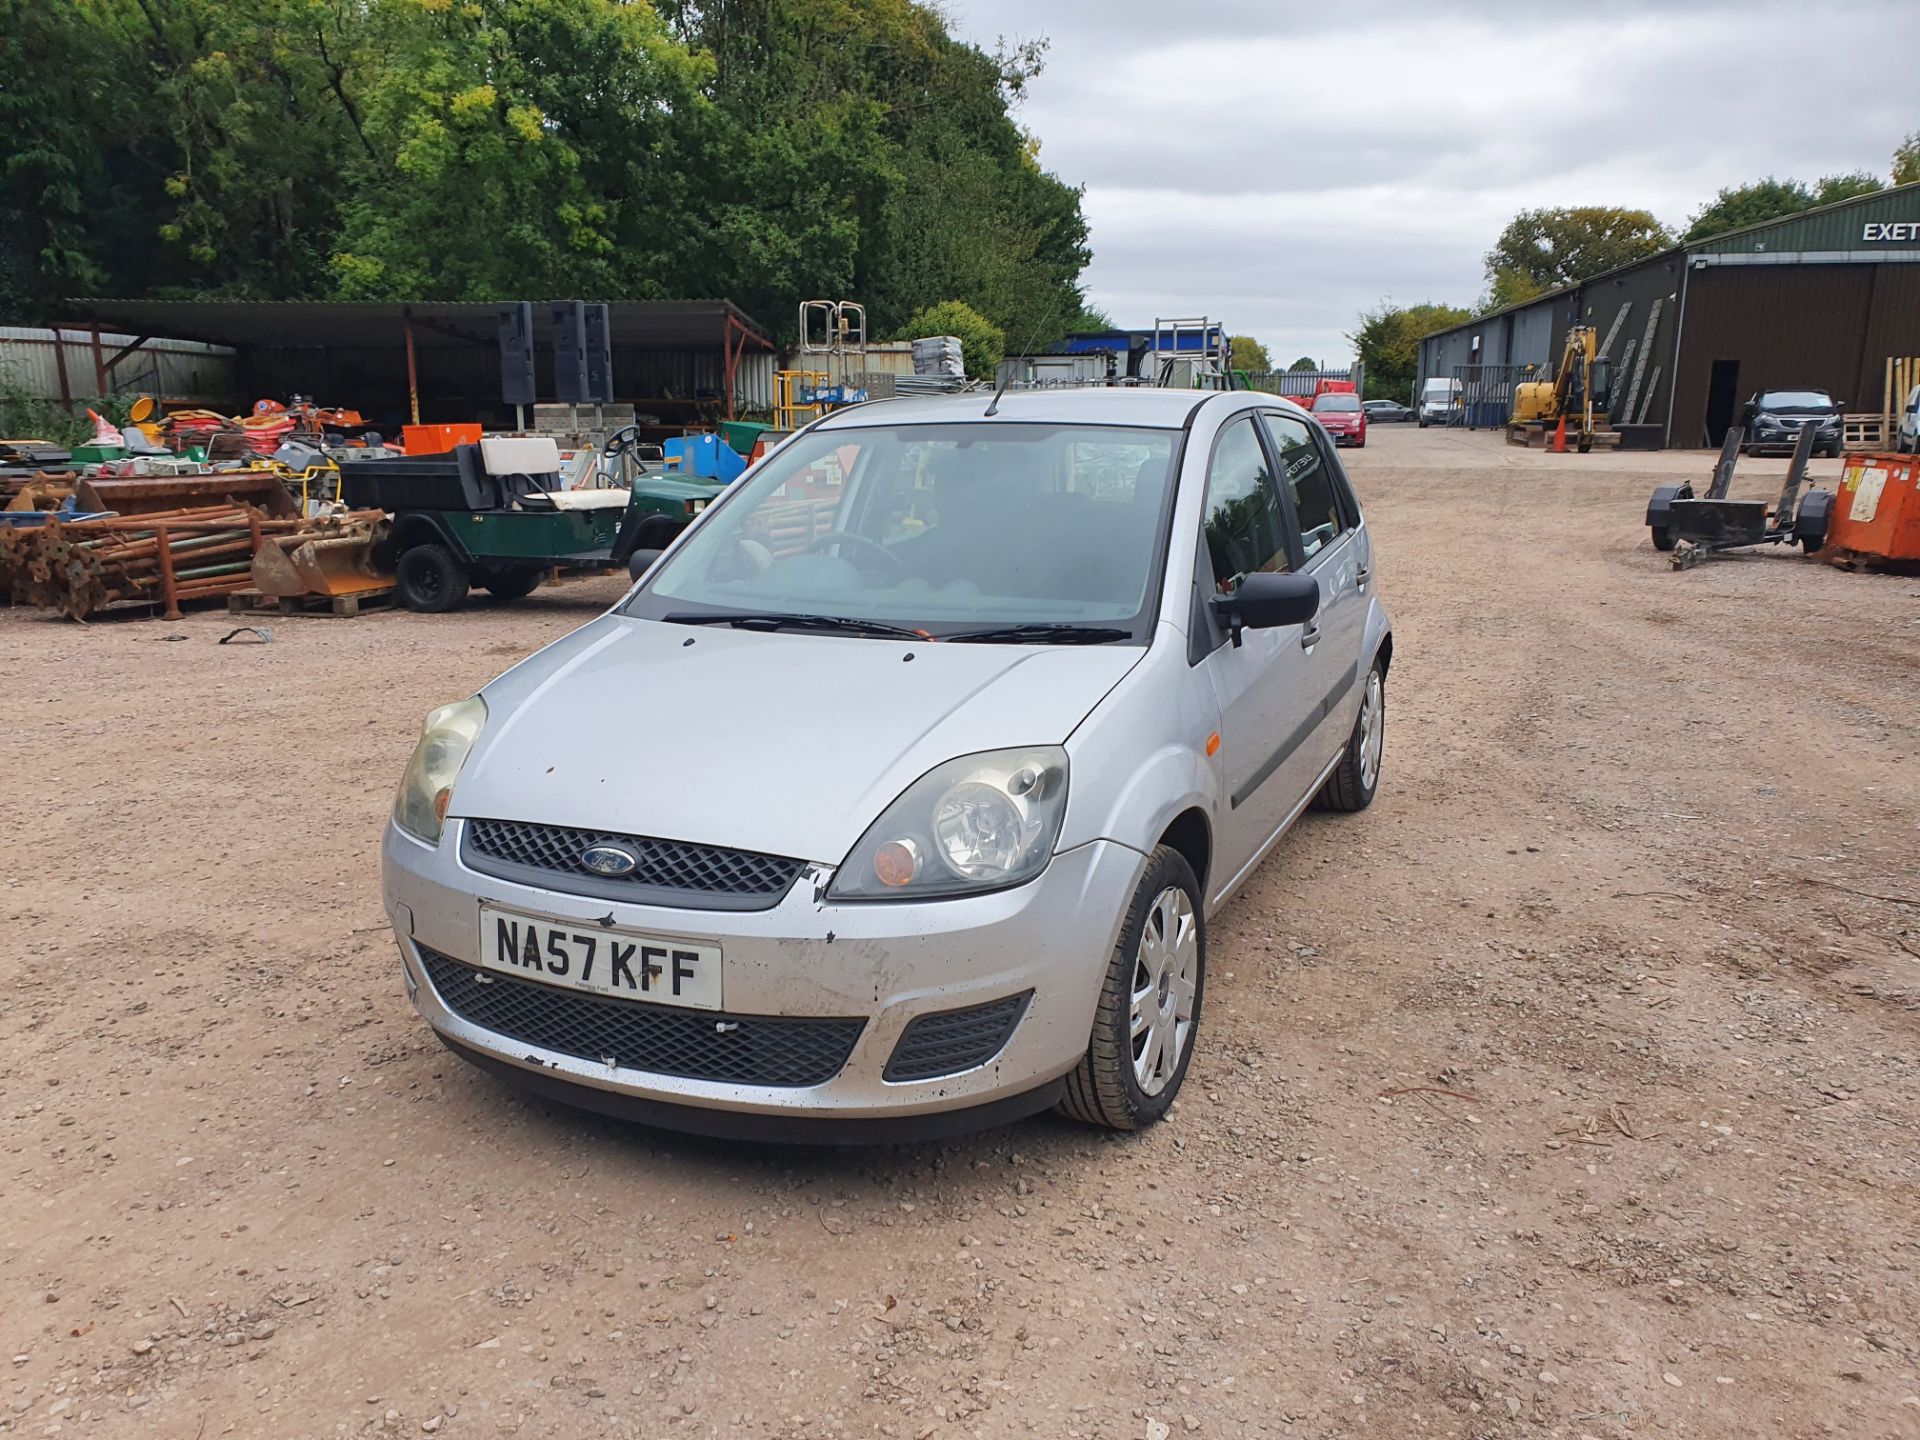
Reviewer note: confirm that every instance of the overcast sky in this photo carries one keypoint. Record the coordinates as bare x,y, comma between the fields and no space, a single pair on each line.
1284,168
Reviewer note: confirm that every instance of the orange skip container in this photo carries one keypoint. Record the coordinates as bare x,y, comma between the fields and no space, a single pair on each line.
1876,512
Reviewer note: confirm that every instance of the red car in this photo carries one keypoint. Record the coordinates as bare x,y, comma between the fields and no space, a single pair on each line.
1343,418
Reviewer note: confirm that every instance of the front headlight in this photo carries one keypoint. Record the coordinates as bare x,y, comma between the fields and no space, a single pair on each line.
420,808
981,822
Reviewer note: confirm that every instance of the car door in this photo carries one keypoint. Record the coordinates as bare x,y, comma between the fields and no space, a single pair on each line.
1336,550
1268,705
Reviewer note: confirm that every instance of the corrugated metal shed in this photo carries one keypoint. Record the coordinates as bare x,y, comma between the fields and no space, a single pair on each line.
1859,304
181,371
669,356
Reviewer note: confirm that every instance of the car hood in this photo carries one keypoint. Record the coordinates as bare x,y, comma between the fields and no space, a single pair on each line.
789,744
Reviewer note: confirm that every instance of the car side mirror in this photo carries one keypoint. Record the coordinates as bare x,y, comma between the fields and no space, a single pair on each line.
641,561
1265,600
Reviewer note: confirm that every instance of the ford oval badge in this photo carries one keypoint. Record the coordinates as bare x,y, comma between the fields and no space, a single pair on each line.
609,860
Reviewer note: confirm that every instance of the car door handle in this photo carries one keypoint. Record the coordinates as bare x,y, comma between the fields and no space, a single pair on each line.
1309,635
1361,575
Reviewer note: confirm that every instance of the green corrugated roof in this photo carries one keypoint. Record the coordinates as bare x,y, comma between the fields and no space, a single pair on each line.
1839,226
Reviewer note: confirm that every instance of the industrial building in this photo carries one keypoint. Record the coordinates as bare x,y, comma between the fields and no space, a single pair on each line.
1823,299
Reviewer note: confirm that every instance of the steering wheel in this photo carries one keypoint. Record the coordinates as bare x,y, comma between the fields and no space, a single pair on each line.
622,440
890,562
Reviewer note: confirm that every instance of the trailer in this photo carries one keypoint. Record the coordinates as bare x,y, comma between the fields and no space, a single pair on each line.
1690,527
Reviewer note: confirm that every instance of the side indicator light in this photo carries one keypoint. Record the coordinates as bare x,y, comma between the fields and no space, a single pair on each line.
1213,743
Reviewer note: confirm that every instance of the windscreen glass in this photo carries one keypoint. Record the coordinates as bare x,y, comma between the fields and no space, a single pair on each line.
1795,400
936,527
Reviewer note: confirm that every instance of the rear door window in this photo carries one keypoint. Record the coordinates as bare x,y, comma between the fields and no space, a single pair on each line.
1309,479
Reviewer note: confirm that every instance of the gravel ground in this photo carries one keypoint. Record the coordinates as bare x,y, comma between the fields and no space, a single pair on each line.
1569,1091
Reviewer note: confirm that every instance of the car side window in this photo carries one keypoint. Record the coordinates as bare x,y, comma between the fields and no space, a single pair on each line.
1245,527
1309,481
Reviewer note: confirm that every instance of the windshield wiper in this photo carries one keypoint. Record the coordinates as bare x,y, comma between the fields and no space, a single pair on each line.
776,620
1044,635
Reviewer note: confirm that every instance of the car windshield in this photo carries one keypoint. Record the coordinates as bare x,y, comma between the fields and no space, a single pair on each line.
1336,403
1795,400
940,528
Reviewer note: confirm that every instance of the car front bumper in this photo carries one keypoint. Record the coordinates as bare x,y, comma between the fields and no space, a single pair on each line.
883,964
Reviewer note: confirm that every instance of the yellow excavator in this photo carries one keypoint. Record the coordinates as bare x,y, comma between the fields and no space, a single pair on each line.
1577,396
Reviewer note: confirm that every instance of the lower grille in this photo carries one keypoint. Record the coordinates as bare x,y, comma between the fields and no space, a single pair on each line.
690,1044
949,1041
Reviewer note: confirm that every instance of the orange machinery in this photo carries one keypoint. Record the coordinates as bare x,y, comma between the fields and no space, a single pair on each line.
1876,512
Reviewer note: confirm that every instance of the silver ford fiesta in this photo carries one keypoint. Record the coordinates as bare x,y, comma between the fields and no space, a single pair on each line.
893,799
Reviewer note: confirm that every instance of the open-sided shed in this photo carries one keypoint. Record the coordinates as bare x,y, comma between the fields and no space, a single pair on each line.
439,360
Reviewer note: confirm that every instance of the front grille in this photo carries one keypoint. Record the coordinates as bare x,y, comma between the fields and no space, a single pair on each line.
691,1044
667,872
949,1041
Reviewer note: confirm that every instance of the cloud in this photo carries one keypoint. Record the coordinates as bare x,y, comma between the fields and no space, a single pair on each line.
1283,170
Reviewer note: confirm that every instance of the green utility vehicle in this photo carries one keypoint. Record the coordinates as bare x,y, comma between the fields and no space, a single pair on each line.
495,515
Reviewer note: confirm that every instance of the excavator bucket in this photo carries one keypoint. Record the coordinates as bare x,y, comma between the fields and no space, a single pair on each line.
334,565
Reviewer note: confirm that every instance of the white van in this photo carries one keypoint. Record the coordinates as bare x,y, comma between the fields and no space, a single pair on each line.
1437,397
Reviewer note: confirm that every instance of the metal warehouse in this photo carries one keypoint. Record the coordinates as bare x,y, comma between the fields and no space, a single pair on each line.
1828,299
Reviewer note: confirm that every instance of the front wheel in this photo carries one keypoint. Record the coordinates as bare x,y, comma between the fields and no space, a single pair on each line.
1357,777
1149,1009
430,579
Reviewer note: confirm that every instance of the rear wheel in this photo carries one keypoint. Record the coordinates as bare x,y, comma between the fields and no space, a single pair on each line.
1149,1009
512,584
1356,778
430,580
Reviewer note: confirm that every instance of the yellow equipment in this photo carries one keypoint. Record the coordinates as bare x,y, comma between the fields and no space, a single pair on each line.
1577,396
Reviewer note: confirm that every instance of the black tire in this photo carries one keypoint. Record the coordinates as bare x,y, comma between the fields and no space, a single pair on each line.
430,580
1354,781
512,584
1659,511
1810,526
1104,1090
1833,450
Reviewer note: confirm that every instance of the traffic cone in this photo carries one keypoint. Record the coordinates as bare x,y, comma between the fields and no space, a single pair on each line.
1560,437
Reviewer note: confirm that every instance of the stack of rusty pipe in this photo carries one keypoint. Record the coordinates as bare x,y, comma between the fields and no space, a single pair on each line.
162,560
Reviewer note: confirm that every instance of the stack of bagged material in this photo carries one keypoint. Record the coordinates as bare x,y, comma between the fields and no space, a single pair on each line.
939,355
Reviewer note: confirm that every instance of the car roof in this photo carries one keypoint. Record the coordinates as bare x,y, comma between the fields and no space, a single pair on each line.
1143,406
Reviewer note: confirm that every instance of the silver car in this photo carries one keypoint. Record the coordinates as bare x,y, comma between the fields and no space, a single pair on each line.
893,800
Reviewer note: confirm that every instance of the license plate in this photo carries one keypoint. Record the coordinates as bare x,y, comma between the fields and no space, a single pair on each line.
624,963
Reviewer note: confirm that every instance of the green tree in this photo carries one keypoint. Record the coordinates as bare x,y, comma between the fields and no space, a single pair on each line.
1305,362
1562,247
534,149
1246,353
1388,344
1771,199
983,344
1509,287
864,151
1090,320
1906,160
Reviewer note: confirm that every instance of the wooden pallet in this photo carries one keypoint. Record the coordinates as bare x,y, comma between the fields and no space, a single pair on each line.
336,607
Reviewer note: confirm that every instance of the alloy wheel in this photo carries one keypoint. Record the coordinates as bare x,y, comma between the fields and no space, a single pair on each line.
1373,729
1166,969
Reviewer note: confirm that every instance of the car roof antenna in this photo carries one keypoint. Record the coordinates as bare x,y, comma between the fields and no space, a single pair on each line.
994,408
